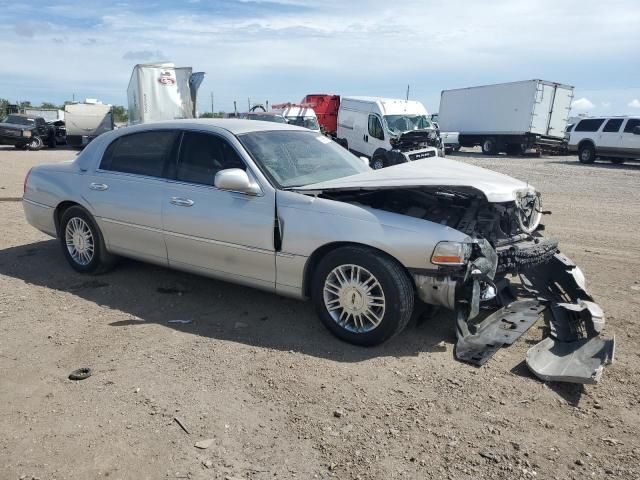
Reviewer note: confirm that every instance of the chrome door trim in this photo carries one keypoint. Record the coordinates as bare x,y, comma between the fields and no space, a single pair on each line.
182,202
127,224
221,243
36,203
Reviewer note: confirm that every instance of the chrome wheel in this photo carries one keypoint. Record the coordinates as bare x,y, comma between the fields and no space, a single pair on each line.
585,155
354,298
80,241
377,164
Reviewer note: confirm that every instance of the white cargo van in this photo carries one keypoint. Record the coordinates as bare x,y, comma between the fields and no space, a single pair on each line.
387,131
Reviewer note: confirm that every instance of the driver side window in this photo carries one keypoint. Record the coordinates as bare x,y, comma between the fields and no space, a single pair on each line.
202,155
375,127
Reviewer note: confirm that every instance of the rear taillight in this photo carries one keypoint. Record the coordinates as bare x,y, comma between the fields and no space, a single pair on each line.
26,179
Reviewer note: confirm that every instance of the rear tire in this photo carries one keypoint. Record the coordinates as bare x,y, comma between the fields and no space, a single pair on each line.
516,149
587,153
378,162
361,295
489,146
82,242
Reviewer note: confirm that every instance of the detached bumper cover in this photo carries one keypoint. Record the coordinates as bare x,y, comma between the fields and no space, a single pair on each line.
574,351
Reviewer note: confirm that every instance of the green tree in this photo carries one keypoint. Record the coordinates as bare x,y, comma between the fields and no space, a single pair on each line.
4,107
120,114
49,106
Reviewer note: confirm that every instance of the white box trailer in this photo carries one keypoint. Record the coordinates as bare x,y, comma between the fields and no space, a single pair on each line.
85,121
162,91
509,117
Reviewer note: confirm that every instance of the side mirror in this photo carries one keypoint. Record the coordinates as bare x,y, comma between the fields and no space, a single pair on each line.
236,180
365,160
636,130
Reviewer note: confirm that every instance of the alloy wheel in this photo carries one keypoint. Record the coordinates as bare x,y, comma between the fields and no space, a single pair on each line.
354,298
80,241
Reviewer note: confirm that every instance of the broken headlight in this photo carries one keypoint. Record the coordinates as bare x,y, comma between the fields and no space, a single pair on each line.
451,253
529,211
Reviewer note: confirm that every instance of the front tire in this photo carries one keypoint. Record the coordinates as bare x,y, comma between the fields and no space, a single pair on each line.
378,162
587,153
361,295
35,143
82,242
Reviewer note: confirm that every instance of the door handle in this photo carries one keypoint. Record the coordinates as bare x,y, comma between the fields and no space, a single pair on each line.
98,186
182,202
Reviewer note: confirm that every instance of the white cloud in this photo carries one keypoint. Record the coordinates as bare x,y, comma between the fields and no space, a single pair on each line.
635,103
582,104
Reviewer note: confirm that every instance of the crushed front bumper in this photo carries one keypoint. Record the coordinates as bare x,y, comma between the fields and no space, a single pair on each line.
574,350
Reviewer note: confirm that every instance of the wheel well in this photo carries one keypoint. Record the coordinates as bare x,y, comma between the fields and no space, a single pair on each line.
320,253
585,142
59,211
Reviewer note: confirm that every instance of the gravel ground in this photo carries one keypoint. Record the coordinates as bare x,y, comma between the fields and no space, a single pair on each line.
276,395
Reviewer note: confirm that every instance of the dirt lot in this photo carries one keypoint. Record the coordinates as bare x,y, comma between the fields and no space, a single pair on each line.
278,396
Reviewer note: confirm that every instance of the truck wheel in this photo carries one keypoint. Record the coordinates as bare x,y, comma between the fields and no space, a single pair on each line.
378,162
35,143
489,146
362,296
516,149
587,153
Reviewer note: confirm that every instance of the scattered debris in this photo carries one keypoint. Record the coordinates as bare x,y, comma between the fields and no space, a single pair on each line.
204,444
490,456
80,374
338,413
182,425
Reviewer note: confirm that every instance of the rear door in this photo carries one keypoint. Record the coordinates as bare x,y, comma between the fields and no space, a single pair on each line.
217,232
544,97
610,139
560,112
126,193
631,141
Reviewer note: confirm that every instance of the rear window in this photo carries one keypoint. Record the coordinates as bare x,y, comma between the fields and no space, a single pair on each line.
613,125
631,124
142,153
590,125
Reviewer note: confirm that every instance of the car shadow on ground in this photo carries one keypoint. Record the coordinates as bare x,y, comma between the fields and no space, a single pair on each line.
149,294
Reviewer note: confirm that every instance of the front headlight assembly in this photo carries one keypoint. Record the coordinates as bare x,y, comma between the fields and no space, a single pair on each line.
26,133
451,253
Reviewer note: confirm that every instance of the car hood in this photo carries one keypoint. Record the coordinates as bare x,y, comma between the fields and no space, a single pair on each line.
433,172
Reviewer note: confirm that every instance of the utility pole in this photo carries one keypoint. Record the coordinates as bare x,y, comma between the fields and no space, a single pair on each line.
407,92
211,103
267,103
235,109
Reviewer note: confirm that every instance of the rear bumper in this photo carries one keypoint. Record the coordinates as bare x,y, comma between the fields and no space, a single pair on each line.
39,216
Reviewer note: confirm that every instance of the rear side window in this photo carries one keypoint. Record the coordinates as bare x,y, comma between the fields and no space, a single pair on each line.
589,125
631,124
202,155
142,153
613,125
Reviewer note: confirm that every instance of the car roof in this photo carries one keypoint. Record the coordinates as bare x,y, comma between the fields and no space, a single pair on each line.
233,125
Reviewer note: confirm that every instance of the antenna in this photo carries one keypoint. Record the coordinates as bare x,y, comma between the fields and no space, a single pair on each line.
211,103
407,92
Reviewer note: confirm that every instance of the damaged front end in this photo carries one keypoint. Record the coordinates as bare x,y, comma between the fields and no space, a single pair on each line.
414,144
502,279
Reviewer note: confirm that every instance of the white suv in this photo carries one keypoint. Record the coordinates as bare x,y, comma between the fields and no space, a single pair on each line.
612,138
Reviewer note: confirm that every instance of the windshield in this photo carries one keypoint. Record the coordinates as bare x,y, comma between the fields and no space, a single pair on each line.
294,159
18,120
307,122
398,124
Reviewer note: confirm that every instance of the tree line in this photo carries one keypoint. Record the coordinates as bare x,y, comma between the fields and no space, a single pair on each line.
120,113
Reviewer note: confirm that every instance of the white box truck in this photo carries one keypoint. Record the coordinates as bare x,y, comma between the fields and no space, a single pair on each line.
85,121
162,91
388,131
508,117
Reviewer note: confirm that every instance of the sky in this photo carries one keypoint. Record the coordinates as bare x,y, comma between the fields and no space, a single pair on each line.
280,50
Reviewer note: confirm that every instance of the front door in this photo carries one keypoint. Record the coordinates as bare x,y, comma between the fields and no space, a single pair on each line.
216,232
126,191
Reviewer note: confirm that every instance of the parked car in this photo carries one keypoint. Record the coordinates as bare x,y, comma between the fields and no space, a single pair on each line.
299,115
298,215
387,131
609,138
265,117
24,131
450,141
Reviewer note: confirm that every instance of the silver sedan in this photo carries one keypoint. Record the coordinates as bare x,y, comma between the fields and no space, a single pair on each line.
288,210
